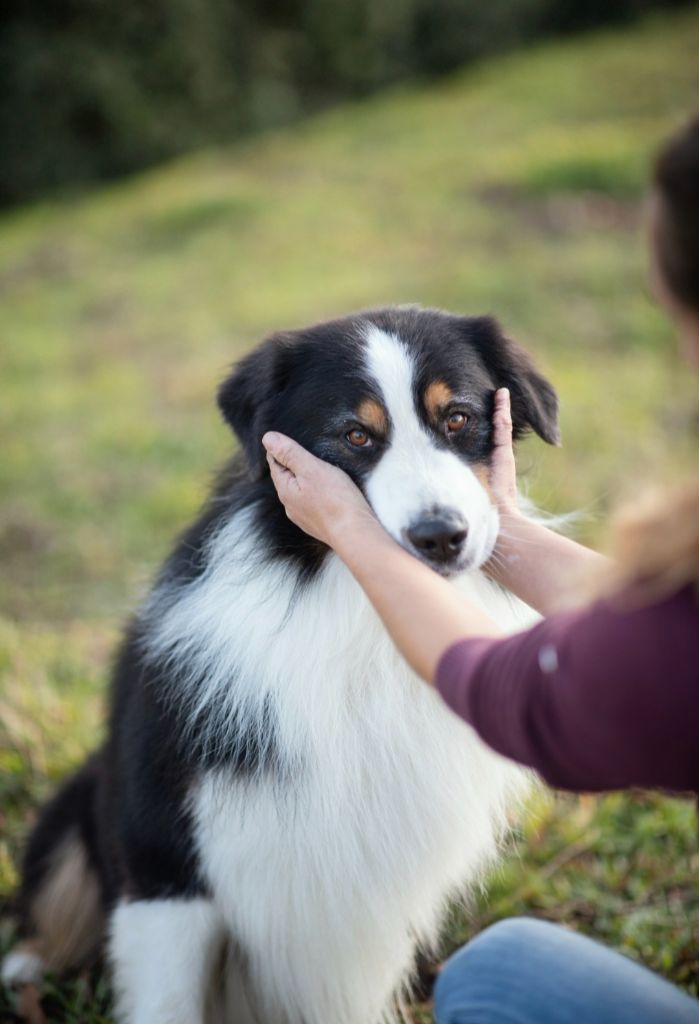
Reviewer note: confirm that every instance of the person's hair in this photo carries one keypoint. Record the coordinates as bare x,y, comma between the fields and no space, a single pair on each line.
676,236
657,542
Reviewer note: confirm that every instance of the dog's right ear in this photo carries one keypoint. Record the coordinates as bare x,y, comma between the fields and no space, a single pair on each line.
533,397
247,396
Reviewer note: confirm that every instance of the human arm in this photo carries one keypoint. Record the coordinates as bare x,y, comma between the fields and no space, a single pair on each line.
603,698
542,567
596,700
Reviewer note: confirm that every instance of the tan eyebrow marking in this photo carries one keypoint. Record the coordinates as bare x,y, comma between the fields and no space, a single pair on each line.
437,395
373,414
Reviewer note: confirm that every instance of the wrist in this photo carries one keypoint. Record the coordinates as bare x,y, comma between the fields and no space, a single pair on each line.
509,511
353,532
511,520
345,529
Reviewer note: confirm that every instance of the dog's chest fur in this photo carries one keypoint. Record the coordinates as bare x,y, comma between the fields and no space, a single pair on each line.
374,801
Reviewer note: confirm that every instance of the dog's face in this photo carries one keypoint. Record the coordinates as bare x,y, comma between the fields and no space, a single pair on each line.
402,400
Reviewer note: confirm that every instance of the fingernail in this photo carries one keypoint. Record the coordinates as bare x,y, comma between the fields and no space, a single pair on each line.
269,439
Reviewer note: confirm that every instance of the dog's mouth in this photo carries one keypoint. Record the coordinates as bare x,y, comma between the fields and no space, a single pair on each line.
446,569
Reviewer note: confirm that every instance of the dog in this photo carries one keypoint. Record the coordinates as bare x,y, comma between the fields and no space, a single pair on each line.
282,810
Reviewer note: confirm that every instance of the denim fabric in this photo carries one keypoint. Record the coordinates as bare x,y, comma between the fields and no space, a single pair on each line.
523,971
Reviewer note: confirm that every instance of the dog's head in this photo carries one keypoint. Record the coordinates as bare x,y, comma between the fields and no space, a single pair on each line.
402,400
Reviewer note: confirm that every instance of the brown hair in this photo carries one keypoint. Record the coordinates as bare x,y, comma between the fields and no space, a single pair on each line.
657,544
676,236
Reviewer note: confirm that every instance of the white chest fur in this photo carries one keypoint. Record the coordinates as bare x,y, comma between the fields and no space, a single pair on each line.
388,806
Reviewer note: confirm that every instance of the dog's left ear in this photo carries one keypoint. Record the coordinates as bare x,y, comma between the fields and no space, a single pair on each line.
533,398
247,397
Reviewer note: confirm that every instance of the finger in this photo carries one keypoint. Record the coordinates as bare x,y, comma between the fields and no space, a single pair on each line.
282,478
279,471
286,451
277,468
502,419
503,407
286,484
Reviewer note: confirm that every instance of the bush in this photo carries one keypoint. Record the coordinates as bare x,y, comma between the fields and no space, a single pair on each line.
93,88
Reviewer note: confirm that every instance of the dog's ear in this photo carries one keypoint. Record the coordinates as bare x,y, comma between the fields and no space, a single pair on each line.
247,396
533,398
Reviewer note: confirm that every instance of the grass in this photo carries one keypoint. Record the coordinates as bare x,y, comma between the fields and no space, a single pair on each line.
513,187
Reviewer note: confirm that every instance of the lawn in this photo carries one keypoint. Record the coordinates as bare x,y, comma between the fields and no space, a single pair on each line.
514,187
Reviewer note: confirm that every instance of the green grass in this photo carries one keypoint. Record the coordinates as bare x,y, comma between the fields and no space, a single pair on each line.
515,188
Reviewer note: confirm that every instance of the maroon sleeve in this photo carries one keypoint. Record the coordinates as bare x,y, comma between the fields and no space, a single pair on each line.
600,699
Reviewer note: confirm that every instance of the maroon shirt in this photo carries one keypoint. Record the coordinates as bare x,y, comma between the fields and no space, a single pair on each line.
599,699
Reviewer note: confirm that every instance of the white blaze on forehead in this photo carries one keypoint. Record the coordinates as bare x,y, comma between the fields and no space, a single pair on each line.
391,365
416,477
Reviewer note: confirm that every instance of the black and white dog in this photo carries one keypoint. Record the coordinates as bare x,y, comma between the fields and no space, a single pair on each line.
282,810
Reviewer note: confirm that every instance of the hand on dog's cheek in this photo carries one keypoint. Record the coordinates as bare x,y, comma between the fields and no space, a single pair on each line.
319,498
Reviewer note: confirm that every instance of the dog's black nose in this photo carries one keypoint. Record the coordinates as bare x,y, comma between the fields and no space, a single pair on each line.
439,538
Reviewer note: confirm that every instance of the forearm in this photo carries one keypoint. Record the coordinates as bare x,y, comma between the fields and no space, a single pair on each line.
591,716
423,613
540,566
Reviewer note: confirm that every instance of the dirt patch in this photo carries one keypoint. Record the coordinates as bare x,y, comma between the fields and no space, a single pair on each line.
562,214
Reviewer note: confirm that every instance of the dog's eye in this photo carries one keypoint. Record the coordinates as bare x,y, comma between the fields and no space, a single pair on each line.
456,422
358,438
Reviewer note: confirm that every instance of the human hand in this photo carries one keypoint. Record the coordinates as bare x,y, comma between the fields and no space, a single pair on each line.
319,498
503,471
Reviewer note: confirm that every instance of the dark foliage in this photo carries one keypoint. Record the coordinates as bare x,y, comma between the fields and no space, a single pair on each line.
92,89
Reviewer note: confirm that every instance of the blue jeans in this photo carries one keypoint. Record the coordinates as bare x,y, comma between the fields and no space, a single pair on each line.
523,971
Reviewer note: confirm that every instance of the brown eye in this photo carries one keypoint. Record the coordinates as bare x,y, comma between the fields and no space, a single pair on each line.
358,438
456,422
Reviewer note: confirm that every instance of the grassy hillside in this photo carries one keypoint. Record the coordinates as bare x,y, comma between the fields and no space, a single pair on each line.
514,188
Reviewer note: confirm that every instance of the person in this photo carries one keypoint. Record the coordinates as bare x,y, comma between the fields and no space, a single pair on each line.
601,698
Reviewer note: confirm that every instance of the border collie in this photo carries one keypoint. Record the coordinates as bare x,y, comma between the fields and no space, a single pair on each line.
282,809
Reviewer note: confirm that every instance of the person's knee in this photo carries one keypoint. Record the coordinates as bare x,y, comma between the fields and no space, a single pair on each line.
496,944
470,985
515,933
528,971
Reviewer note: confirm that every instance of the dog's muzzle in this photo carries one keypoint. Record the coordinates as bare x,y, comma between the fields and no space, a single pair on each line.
439,538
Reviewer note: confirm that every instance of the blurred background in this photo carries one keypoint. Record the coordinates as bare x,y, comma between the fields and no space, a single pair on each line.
182,177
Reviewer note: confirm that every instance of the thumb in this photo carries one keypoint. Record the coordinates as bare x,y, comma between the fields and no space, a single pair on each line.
502,419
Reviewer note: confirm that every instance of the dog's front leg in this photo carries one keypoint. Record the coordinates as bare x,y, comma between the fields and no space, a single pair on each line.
163,955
